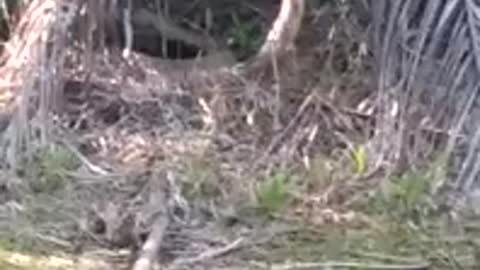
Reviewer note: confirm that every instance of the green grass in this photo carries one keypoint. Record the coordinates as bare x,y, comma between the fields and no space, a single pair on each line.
272,194
49,169
400,226
384,241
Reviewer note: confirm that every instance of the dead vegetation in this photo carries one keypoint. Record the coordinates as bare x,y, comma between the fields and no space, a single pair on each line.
182,161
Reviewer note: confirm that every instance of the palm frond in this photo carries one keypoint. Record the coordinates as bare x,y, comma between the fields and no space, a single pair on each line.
428,55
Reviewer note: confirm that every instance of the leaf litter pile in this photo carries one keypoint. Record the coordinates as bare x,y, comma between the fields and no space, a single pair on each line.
128,162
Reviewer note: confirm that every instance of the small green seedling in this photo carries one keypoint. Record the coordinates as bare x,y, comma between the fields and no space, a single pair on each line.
272,195
406,196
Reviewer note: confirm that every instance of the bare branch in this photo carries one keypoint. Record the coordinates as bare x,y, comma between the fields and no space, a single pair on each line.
285,28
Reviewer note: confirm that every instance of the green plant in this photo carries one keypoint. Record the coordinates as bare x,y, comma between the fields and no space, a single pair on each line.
272,195
50,169
407,196
244,37
437,171
7,242
359,159
409,189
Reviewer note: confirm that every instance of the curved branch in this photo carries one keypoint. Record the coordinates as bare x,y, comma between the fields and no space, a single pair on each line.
285,28
144,17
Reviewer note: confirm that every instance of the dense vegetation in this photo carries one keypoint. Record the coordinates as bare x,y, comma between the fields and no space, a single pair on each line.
191,129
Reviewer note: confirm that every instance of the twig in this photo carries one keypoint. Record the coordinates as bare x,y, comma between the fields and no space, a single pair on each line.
431,129
291,125
384,257
209,254
92,167
349,265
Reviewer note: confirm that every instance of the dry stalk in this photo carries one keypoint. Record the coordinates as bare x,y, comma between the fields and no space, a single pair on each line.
209,254
32,70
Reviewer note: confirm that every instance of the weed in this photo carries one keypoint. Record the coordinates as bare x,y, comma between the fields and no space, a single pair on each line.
359,159
272,195
7,242
410,194
244,37
49,170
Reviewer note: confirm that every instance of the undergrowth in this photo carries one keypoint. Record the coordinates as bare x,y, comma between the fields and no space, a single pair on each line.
398,224
43,197
272,194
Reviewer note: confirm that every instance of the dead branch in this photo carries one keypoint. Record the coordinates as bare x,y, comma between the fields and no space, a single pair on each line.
285,28
149,251
158,202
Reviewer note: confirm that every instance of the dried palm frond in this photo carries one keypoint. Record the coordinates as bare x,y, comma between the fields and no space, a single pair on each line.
30,73
428,59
